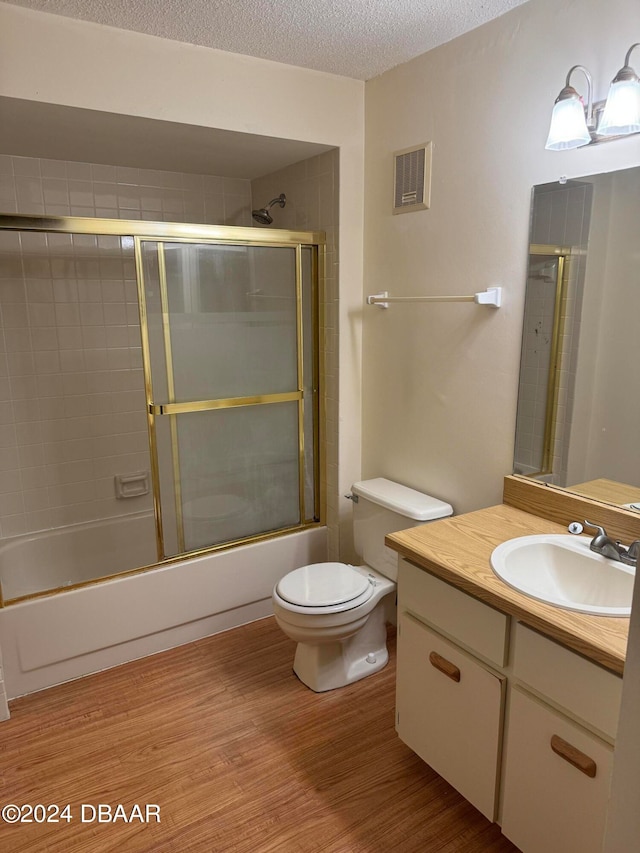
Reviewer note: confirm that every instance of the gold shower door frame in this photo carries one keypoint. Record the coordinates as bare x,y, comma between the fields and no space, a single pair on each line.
173,232
563,254
172,409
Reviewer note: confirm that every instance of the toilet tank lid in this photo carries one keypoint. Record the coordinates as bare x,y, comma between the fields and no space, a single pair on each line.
402,499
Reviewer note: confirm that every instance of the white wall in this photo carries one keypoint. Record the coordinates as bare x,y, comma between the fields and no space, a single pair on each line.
440,381
56,60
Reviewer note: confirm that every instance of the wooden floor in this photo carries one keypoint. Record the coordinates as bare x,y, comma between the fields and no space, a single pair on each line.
238,754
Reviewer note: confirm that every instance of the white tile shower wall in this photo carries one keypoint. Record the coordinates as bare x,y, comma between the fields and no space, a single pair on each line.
72,408
66,188
311,187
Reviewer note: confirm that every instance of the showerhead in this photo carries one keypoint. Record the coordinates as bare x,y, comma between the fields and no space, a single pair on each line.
263,216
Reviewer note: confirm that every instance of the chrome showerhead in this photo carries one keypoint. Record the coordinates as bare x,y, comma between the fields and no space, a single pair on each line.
263,216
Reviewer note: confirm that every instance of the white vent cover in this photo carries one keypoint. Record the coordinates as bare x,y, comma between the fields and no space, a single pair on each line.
412,178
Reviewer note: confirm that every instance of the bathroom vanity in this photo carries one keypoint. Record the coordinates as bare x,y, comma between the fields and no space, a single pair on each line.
513,701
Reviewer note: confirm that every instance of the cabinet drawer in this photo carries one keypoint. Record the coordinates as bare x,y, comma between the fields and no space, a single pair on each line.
549,805
449,711
474,624
585,689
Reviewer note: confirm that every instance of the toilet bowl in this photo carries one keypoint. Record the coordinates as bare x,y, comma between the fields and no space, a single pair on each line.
337,612
336,615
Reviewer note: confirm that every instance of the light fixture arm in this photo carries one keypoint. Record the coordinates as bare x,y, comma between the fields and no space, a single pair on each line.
627,72
569,92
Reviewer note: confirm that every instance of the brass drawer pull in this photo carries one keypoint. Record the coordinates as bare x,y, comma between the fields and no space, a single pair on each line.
578,759
445,666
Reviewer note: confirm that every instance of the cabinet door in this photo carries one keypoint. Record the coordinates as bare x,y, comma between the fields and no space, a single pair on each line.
556,781
449,711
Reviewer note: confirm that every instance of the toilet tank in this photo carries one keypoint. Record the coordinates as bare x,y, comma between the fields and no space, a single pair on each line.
381,506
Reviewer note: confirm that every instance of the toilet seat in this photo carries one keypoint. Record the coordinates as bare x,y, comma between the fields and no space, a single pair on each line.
324,588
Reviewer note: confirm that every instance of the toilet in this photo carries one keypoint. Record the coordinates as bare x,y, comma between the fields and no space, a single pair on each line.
337,612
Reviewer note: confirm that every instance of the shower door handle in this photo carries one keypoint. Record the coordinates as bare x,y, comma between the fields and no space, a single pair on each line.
228,403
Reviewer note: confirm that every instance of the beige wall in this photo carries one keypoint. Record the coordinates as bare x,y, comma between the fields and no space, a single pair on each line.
440,381
55,60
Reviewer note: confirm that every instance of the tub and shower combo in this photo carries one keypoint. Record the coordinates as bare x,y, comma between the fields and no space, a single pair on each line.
167,432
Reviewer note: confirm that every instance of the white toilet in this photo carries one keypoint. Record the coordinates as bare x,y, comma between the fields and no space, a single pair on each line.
336,612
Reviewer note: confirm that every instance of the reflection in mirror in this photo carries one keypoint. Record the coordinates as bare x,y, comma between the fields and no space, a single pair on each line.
578,418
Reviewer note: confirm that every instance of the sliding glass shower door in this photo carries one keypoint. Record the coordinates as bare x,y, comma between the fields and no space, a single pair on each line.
230,351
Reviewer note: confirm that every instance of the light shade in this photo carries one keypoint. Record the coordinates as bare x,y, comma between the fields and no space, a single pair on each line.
568,124
622,112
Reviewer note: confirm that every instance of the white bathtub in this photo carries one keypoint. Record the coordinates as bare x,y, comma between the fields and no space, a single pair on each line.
75,554
58,637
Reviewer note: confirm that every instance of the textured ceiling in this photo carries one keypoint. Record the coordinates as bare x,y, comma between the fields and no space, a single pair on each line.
353,38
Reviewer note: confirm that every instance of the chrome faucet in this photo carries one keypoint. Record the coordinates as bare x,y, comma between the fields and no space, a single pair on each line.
603,544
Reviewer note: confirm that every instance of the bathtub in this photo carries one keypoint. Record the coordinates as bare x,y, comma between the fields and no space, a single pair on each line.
68,634
71,555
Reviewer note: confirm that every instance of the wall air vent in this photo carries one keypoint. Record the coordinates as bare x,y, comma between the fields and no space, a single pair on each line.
412,178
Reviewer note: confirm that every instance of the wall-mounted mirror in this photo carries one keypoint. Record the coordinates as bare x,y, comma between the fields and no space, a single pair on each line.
578,419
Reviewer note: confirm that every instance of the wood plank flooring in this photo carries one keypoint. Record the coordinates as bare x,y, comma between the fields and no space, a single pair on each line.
237,753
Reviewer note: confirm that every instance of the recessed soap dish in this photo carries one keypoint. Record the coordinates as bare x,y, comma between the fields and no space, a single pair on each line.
133,485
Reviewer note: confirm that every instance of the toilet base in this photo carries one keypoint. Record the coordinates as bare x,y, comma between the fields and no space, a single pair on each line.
326,666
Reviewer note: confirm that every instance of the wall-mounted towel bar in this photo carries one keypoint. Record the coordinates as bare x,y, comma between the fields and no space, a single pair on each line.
491,296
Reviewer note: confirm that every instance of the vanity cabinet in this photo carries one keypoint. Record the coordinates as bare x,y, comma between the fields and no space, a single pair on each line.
521,726
555,782
449,710
449,702
562,722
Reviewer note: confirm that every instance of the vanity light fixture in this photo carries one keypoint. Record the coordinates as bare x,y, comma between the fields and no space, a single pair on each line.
573,124
622,112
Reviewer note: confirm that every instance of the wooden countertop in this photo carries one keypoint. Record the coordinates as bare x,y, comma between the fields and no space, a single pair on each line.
458,550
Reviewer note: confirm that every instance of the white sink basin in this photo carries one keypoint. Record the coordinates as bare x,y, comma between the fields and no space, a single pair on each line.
561,570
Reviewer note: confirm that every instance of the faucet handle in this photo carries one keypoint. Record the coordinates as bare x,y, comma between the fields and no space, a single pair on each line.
601,530
633,551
